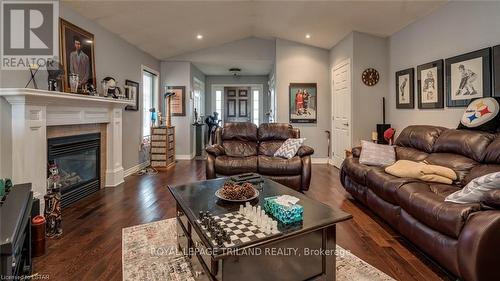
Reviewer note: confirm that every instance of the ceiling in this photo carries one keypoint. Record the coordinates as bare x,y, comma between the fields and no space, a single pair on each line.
169,28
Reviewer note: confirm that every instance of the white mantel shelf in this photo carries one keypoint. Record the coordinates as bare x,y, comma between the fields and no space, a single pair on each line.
36,96
32,111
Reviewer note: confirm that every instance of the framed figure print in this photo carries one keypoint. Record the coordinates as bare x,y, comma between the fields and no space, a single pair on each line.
178,100
430,85
468,76
405,87
496,71
132,93
77,55
303,102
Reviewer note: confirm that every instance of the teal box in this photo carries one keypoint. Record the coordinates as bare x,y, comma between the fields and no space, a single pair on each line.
285,214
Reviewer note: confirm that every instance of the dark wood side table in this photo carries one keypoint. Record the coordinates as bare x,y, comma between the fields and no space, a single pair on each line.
315,234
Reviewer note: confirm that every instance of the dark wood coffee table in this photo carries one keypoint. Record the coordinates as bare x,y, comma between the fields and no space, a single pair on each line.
302,252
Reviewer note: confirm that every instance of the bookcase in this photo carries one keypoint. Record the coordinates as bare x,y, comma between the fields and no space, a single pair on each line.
162,147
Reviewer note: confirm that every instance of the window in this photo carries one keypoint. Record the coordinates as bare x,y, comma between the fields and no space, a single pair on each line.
198,95
218,103
149,92
255,101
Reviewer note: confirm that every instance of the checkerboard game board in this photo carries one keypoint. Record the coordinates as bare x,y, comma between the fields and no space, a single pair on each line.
241,230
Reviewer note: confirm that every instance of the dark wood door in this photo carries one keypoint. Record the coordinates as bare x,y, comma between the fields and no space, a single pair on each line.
237,104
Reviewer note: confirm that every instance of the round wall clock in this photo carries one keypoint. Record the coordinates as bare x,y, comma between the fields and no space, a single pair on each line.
370,77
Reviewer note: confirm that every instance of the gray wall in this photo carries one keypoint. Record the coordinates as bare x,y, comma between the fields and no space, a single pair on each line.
456,28
228,79
298,63
113,57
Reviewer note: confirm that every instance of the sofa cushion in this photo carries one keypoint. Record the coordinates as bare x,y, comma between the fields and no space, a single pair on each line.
269,147
243,131
376,154
412,154
289,148
492,153
474,190
357,171
482,114
228,165
480,171
240,148
385,185
425,202
279,166
275,131
460,164
419,137
471,144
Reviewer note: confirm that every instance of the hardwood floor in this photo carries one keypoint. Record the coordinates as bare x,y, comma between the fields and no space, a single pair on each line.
90,248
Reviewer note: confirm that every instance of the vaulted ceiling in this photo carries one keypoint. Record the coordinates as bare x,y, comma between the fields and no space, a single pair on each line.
169,28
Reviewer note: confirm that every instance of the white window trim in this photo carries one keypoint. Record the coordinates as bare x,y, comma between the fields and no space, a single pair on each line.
156,94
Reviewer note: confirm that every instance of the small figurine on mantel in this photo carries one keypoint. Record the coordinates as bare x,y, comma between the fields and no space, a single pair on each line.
52,212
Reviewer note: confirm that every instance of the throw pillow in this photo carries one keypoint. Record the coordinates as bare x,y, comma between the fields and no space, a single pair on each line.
289,148
376,154
482,114
422,171
475,189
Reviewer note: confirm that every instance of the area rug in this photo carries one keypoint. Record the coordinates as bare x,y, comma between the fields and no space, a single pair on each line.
149,253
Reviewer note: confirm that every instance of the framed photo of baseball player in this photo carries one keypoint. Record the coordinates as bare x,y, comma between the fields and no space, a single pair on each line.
303,105
468,76
430,85
496,71
405,96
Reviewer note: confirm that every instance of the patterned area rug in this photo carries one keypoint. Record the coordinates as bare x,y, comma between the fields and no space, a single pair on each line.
149,252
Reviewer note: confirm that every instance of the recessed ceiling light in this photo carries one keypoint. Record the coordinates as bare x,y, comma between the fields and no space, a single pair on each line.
308,36
199,36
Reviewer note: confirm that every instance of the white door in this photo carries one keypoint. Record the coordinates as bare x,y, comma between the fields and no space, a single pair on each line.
341,119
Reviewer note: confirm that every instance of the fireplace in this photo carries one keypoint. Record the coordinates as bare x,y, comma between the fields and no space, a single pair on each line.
78,160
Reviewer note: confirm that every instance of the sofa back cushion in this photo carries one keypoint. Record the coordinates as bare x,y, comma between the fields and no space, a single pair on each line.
240,139
492,153
272,135
471,144
462,165
421,137
408,153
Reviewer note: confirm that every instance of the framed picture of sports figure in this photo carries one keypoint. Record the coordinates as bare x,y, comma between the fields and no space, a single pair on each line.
303,102
77,55
430,85
496,71
405,86
468,76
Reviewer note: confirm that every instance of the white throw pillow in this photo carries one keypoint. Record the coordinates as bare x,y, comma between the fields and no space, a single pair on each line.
475,189
289,148
377,154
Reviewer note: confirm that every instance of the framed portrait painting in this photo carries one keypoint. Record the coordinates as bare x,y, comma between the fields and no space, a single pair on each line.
132,93
303,102
468,76
178,100
496,71
430,85
77,54
405,86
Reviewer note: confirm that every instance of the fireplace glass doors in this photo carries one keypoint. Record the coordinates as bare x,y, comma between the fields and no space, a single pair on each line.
78,161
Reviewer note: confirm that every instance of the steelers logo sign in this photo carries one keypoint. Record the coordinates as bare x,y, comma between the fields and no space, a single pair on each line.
479,112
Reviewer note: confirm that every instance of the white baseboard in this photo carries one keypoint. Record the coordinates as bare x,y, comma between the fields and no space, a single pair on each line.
319,160
330,162
183,157
136,168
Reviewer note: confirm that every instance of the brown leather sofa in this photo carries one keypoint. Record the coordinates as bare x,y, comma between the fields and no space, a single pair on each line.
463,238
243,148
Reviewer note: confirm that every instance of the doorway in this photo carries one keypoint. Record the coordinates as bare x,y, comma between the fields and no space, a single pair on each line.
341,105
238,105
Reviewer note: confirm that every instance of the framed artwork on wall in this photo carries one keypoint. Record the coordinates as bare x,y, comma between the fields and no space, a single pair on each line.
496,71
468,76
132,93
405,87
303,102
178,100
76,47
430,85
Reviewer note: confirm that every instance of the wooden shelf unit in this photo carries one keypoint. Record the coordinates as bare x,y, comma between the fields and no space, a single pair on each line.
162,147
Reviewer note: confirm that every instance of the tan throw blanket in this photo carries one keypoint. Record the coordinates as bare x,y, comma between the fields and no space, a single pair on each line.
422,171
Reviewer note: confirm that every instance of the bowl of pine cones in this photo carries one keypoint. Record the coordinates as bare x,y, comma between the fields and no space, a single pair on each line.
237,192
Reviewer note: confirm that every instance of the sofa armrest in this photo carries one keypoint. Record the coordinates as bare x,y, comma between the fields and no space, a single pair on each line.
491,199
356,151
215,150
305,150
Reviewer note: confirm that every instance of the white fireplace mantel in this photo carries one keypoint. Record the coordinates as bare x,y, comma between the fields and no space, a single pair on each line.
34,110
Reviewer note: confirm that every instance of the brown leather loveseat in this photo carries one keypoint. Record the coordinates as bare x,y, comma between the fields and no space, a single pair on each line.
463,238
244,148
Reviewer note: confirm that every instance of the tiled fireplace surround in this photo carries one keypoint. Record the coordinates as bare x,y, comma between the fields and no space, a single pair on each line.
38,115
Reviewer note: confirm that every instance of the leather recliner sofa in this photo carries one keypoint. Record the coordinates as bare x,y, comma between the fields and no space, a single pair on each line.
244,148
463,238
